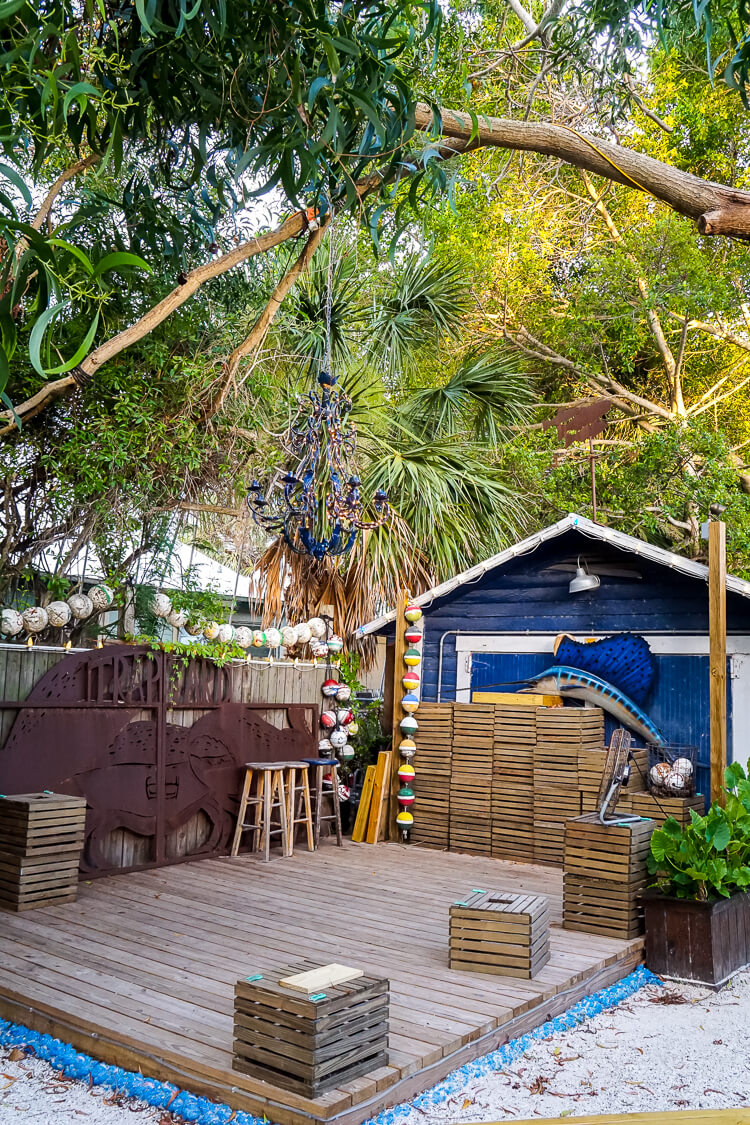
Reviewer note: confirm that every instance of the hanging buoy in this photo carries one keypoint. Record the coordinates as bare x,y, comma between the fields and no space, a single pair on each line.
406,773
161,605
413,636
242,636
11,623
410,702
409,725
101,597
58,614
405,820
35,619
81,606
412,657
410,681
330,688
407,748
413,613
405,796
327,720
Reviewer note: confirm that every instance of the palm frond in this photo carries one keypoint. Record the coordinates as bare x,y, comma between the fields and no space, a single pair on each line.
486,394
304,324
427,305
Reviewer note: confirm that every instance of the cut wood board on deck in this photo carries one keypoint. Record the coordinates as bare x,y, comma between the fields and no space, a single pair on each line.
141,970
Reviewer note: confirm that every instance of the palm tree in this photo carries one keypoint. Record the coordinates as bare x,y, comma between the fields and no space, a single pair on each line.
430,419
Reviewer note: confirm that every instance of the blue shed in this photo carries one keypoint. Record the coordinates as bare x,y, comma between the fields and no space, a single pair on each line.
496,624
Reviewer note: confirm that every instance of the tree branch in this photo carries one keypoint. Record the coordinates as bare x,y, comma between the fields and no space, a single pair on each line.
624,398
290,228
154,317
718,210
69,174
258,332
671,366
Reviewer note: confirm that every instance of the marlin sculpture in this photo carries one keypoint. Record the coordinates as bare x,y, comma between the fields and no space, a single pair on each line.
577,684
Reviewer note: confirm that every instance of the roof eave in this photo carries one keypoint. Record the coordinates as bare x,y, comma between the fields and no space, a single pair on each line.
587,527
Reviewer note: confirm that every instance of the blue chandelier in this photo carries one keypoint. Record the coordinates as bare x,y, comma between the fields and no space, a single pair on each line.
317,507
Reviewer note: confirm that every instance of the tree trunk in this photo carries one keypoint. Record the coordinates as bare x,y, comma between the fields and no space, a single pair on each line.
716,209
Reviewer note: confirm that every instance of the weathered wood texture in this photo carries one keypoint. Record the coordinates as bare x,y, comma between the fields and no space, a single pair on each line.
717,632
705,942
605,875
41,838
309,1044
433,773
500,933
141,970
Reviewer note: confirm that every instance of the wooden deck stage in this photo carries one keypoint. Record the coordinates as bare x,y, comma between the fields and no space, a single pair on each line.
140,971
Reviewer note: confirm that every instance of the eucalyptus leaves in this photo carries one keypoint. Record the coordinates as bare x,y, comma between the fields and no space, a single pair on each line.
709,857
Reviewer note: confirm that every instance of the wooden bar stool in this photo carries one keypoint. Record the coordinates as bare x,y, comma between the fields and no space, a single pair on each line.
270,794
298,791
323,766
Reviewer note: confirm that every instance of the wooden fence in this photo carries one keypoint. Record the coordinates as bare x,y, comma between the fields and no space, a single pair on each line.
21,668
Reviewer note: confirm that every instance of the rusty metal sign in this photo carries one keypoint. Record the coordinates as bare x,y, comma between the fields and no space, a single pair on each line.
577,423
156,748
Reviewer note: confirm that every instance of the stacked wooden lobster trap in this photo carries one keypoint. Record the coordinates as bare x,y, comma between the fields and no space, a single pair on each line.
504,779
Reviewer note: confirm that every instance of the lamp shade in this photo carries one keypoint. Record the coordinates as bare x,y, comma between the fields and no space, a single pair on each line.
583,581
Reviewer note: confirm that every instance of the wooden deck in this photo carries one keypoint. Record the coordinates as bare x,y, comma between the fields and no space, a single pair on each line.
140,971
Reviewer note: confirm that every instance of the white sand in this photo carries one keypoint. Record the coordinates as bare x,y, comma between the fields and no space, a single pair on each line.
639,1056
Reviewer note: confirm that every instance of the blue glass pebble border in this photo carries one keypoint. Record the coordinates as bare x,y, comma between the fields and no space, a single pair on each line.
163,1095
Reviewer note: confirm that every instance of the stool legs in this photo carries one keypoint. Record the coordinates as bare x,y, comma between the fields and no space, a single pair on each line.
270,794
297,792
336,806
243,809
308,810
318,804
274,796
335,814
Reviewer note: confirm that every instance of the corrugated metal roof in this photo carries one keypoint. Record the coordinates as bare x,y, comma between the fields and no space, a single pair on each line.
567,523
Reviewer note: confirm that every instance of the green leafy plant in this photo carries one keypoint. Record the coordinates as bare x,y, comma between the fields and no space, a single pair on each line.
218,652
710,857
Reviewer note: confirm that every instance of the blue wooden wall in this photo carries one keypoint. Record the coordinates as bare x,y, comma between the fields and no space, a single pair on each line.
525,596
520,597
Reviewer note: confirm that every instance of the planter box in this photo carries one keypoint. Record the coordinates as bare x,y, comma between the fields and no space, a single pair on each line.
705,942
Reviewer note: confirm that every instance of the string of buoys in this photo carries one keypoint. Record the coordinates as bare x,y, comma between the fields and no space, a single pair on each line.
409,725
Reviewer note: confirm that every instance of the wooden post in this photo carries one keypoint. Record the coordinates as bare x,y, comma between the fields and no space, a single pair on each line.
392,832
717,627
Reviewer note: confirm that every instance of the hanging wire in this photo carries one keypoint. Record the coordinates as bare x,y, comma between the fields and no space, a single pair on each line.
237,564
85,567
328,360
